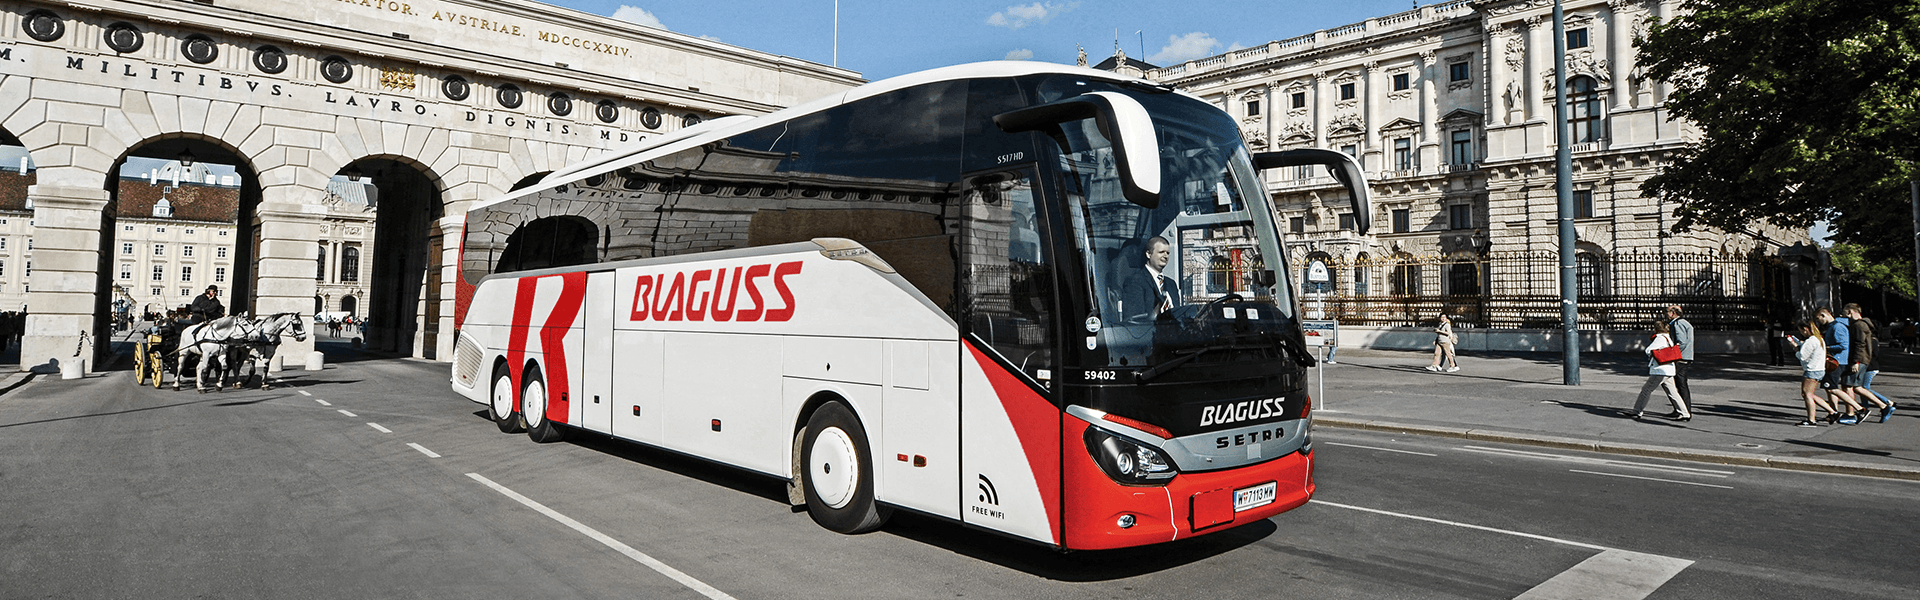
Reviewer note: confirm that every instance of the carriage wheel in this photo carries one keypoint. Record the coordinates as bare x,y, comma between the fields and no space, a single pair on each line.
159,367
139,363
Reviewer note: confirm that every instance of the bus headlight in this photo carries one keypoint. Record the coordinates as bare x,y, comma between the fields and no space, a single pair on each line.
1126,462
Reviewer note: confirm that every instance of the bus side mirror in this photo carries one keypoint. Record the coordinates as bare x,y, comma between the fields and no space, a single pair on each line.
1136,149
1343,168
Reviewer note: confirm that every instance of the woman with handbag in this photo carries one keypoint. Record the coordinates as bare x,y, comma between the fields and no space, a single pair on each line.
1443,340
1661,353
1813,367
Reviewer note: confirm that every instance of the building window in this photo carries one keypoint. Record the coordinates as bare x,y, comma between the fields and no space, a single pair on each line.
159,249
186,292
159,230
223,233
3,243
1584,98
1351,150
1402,81
126,271
1462,148
1459,71
186,273
1583,204
1402,220
126,248
1460,216
1406,279
3,268
159,272
320,267
156,292
129,228
220,252
1591,272
1296,225
350,264
1299,99
219,274
1462,279
1403,154
186,251
1576,38
1253,108
1346,91
1346,222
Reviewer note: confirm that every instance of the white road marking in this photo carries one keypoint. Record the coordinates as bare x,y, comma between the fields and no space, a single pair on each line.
377,427
1652,479
636,555
1602,461
423,450
347,413
1380,449
1463,525
1610,575
323,402
1613,574
304,393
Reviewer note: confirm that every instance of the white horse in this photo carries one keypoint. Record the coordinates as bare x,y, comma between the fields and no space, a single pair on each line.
208,341
257,348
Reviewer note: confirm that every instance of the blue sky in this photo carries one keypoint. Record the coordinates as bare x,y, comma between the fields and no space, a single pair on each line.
884,38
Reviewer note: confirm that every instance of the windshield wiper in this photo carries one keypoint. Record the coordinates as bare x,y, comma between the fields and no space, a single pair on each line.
1185,357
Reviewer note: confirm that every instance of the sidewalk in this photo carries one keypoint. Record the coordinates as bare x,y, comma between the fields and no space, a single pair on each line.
1744,411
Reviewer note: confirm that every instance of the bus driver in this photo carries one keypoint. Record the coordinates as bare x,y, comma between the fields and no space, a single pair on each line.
1147,293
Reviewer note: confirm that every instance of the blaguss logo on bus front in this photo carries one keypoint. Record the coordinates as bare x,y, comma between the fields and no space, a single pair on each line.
1245,410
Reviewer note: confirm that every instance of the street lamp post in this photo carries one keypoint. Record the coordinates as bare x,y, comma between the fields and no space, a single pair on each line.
1563,185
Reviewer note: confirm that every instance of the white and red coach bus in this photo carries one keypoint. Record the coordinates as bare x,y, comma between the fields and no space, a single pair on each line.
1041,300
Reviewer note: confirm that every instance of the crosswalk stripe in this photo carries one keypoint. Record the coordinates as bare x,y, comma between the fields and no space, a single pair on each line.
1610,575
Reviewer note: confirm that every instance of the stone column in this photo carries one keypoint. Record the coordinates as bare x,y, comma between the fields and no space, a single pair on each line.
1431,144
451,227
1319,107
66,275
1620,55
1539,60
1370,103
1660,12
287,253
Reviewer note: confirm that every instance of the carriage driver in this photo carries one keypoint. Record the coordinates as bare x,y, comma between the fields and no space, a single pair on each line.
207,307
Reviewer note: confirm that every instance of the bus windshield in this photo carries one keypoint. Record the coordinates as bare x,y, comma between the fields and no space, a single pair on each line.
1203,271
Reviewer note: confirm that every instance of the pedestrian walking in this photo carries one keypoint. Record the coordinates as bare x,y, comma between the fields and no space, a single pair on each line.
1838,334
1443,341
1777,342
1660,376
1812,353
1864,362
1682,337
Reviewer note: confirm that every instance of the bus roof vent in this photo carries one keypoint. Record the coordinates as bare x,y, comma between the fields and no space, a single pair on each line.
846,249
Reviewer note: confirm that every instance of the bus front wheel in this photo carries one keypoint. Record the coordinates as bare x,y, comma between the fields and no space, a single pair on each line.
500,403
533,410
839,472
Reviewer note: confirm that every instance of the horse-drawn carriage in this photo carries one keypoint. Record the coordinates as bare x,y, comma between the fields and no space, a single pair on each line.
215,349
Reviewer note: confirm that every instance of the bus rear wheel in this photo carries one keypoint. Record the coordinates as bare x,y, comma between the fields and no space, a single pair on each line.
500,403
533,410
838,472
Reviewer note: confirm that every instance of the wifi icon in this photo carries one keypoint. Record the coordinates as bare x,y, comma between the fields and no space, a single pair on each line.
987,494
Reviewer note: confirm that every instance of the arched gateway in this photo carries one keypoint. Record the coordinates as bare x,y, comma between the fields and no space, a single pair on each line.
338,145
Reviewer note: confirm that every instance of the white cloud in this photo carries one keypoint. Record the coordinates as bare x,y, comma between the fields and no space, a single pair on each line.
1021,54
1183,48
1015,17
638,16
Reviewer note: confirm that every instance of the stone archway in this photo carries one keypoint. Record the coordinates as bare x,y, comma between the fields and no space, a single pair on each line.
397,252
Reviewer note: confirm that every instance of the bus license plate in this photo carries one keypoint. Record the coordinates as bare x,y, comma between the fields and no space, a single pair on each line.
1256,496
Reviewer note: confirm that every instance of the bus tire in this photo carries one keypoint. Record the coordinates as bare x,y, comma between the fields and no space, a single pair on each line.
500,403
838,475
533,410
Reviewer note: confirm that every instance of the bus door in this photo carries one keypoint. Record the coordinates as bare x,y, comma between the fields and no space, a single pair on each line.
594,408
1010,423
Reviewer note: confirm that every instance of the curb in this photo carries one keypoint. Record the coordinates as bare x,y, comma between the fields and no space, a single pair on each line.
1651,451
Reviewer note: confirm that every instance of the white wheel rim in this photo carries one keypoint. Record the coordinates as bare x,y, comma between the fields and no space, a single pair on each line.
502,398
534,403
832,468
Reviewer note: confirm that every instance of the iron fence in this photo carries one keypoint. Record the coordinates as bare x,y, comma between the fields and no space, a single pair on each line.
1521,290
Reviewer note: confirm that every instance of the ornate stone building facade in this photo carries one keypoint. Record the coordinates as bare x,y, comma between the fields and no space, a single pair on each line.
1450,109
438,103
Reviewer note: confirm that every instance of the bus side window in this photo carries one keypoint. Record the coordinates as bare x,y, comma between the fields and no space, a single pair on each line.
550,242
1007,278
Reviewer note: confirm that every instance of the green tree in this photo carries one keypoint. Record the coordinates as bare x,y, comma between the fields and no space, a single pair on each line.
1809,110
1891,275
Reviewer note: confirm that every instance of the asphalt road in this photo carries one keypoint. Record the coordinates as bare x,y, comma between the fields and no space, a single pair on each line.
372,480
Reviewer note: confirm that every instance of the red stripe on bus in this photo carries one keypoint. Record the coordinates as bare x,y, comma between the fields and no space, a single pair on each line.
517,336
1037,423
573,291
